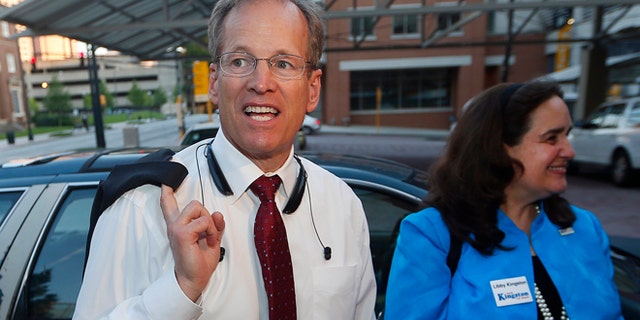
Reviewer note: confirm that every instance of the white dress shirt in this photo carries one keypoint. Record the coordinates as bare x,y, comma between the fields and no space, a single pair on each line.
130,272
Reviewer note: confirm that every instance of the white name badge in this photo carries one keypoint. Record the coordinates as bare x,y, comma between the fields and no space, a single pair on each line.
511,291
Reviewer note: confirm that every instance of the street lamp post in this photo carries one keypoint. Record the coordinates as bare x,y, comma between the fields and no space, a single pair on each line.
95,96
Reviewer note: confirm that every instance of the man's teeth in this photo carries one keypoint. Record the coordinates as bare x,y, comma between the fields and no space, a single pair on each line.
260,117
256,109
260,113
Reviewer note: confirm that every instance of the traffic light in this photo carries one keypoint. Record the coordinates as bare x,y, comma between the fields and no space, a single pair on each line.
33,64
82,59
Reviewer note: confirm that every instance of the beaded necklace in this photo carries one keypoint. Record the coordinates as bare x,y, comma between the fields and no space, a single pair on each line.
541,303
544,309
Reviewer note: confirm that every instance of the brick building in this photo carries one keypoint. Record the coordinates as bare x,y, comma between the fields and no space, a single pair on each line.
422,66
13,109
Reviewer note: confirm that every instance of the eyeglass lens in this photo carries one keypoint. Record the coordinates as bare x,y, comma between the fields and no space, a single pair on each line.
241,64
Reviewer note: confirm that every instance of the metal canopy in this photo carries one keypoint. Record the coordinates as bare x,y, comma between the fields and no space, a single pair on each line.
147,29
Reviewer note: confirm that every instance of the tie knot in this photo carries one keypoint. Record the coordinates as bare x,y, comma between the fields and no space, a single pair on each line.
265,187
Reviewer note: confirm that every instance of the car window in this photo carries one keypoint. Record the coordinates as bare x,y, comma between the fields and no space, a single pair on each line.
54,281
612,117
198,135
606,117
596,118
7,201
634,115
384,213
627,279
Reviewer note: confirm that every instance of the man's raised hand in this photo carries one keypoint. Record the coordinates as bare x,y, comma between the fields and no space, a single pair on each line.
195,236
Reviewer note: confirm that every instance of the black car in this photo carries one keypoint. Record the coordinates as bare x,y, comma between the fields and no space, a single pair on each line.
45,204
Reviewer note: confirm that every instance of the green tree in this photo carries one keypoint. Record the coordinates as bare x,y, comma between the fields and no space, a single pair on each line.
57,100
159,98
87,102
176,93
137,96
33,105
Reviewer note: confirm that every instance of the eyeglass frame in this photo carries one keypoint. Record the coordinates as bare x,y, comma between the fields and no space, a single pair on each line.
267,60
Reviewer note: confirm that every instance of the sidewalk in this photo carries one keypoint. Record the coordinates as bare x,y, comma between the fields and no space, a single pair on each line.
44,137
432,134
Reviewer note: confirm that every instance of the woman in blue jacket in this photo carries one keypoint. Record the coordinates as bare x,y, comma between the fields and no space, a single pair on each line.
526,252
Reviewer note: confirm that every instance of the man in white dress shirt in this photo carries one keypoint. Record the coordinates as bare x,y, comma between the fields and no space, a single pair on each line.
156,253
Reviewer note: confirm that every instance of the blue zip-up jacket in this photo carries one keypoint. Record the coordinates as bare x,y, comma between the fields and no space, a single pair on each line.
577,260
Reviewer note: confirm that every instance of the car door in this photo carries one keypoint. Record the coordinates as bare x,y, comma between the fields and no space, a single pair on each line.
632,135
385,208
582,134
47,252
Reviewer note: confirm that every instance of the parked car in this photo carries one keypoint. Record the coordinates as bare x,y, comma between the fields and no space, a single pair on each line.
310,125
44,220
206,130
610,137
199,132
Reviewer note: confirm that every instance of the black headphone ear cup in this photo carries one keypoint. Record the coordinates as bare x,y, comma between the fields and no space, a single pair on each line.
298,190
216,173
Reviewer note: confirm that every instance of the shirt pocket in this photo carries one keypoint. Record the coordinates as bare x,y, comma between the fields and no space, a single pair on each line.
334,292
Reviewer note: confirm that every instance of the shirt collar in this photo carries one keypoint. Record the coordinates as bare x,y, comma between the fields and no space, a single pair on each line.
240,172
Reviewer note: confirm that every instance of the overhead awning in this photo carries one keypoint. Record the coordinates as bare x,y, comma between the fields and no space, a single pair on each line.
146,29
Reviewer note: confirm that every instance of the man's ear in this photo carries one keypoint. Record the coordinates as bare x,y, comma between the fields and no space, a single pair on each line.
213,79
315,84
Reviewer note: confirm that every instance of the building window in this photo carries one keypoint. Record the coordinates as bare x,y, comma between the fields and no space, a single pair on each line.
446,20
362,27
16,101
405,25
5,29
401,89
11,63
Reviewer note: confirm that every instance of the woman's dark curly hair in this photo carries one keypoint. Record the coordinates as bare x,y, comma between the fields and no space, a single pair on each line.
467,183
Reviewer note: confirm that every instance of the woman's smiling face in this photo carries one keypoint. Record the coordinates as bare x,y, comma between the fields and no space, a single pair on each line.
544,152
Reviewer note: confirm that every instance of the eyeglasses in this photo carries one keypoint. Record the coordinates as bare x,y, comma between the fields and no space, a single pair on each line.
242,64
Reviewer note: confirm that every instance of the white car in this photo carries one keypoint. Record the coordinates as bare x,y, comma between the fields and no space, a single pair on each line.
200,132
610,137
206,130
310,124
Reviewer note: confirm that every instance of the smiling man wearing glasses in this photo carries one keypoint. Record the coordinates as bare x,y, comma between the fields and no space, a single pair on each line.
207,249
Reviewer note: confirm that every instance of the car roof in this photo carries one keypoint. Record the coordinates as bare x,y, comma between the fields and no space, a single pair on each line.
205,125
386,172
83,165
93,165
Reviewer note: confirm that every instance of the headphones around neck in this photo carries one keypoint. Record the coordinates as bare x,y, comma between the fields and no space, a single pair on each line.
292,204
223,186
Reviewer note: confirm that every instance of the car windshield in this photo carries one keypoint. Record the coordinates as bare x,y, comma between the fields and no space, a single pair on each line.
199,135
